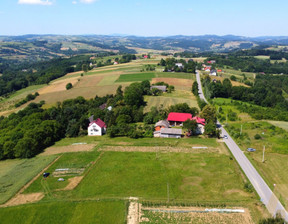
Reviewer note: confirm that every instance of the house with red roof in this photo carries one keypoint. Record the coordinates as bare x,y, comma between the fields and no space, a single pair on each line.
201,125
177,119
97,128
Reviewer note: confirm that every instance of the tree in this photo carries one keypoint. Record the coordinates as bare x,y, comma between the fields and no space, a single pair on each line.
133,95
209,114
191,126
85,68
210,129
195,89
69,86
233,78
227,87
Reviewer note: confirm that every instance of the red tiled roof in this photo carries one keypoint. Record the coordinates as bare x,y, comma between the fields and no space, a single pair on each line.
180,117
99,122
199,120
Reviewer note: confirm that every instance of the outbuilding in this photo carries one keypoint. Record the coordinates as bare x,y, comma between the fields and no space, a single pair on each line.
97,128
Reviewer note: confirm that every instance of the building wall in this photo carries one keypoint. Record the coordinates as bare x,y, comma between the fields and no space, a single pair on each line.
94,130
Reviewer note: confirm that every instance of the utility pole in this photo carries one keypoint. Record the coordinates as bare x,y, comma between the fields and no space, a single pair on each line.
263,160
226,119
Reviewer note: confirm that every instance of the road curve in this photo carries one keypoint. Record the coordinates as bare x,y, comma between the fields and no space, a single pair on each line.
268,198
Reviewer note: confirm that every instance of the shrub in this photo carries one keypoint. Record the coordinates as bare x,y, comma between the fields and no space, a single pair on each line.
257,136
69,86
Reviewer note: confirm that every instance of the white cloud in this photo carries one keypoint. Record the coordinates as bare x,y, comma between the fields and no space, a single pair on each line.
35,2
74,2
190,10
88,1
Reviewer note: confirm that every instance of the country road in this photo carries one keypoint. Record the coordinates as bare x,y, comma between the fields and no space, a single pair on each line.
267,196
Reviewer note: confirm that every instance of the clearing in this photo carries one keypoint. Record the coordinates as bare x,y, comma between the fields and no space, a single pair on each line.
71,148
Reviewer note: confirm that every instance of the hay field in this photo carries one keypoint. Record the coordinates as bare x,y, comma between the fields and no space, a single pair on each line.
15,174
234,83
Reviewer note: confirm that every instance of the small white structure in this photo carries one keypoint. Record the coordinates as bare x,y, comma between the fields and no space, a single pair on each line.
97,128
168,133
213,72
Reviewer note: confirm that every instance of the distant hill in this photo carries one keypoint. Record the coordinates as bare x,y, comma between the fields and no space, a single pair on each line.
40,47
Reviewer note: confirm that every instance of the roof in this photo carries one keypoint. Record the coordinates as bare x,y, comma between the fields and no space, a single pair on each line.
181,117
99,122
103,106
171,131
162,88
164,123
199,120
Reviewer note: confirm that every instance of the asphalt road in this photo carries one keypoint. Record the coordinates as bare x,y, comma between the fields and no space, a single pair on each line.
267,196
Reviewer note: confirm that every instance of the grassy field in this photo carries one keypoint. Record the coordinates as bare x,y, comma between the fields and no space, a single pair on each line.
167,101
66,212
136,77
202,176
16,173
78,163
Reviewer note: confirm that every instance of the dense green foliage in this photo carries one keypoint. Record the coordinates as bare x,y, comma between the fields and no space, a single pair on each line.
267,91
251,64
181,65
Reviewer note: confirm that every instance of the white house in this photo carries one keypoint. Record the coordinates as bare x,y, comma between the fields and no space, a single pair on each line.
97,128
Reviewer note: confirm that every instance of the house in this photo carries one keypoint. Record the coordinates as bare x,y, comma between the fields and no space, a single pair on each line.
211,62
213,72
170,133
115,63
179,65
201,125
162,88
97,128
161,124
219,70
145,56
177,119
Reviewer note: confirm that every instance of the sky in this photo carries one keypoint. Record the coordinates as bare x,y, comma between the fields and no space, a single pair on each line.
144,17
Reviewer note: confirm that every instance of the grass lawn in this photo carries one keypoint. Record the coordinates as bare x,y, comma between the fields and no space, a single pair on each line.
196,177
66,212
15,174
75,161
136,77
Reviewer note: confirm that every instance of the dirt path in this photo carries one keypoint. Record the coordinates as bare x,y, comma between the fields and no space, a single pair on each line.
69,148
20,198
157,149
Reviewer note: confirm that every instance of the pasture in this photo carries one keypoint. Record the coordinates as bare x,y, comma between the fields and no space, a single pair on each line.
16,173
197,176
66,212
136,77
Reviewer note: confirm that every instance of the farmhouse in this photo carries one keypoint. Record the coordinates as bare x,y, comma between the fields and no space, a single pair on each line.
170,133
97,128
201,125
162,88
177,119
161,124
179,65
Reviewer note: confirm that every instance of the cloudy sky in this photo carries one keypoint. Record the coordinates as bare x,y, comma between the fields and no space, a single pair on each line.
144,17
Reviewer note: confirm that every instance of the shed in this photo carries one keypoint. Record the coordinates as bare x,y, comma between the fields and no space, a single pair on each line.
162,88
170,133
